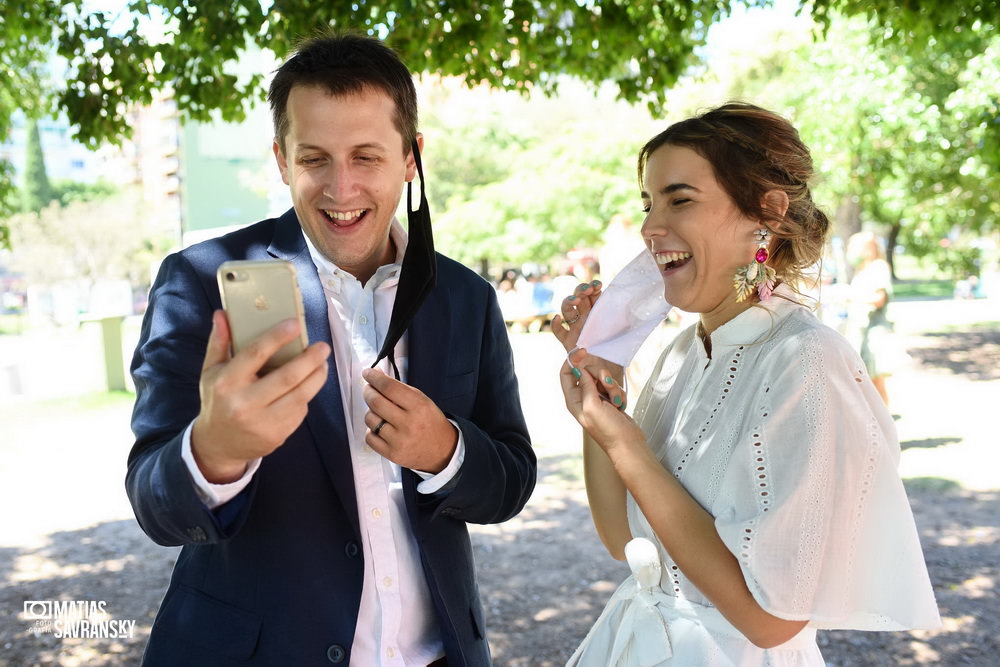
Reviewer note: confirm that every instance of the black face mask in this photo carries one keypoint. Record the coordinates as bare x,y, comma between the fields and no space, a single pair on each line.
418,274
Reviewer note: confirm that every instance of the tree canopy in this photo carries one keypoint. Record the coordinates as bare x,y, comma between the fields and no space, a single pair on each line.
36,192
115,59
112,60
521,181
913,151
905,144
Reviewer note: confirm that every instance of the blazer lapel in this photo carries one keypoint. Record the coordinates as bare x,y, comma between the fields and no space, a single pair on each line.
325,420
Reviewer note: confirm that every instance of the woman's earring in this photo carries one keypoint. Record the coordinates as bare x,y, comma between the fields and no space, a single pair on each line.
756,274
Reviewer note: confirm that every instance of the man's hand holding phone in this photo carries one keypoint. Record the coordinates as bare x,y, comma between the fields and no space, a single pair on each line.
245,415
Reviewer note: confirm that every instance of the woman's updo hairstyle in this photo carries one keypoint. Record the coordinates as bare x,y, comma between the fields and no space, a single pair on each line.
752,151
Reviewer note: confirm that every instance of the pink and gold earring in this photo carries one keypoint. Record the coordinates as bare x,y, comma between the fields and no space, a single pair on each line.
756,275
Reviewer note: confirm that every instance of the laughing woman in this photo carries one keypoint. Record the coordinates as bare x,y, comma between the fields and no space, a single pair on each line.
755,494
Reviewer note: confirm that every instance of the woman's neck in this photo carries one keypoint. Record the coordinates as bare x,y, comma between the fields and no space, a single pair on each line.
726,311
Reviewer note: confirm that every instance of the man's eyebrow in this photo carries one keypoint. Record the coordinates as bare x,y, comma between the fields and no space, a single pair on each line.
306,147
672,188
371,145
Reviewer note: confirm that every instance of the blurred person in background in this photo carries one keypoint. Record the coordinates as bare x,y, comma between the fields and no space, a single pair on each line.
868,295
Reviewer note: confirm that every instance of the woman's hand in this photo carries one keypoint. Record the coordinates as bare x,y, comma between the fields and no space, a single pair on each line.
596,400
567,325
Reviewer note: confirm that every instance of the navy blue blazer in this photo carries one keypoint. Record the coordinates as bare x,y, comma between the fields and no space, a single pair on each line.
274,576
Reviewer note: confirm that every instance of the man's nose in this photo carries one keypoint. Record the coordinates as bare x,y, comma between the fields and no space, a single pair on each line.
340,183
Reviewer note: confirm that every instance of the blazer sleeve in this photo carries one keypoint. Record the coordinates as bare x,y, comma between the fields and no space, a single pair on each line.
500,468
166,369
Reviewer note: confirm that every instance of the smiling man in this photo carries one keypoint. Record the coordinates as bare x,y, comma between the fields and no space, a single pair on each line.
344,162
322,507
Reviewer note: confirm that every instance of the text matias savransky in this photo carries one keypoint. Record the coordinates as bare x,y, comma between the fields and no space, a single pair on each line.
76,619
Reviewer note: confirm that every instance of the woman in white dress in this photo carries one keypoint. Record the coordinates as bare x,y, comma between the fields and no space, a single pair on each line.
755,494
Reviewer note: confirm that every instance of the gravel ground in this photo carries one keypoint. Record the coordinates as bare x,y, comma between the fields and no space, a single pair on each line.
67,531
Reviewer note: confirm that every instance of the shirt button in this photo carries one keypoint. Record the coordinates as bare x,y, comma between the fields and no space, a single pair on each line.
363,320
390,652
376,513
387,581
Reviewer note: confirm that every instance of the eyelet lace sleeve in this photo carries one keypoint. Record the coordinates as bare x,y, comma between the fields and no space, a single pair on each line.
811,503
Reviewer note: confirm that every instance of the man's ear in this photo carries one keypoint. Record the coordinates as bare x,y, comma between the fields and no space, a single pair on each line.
279,157
776,202
411,163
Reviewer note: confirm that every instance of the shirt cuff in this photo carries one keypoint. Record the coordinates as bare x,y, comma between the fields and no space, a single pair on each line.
213,495
433,483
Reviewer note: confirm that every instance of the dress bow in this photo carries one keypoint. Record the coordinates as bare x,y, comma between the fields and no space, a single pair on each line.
642,635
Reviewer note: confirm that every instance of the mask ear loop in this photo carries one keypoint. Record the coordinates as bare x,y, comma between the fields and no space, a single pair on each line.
569,354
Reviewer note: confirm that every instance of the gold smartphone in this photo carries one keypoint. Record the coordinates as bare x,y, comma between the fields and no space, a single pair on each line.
256,295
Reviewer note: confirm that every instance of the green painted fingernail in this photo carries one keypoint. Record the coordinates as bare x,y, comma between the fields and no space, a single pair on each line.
609,380
596,283
618,400
576,373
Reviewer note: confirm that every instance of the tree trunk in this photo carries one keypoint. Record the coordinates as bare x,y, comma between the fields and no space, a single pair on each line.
890,247
846,223
847,220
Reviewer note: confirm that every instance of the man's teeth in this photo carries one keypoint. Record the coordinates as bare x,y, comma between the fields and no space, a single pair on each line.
344,215
668,257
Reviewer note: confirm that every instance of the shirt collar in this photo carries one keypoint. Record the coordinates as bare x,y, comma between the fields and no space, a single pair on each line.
757,322
332,276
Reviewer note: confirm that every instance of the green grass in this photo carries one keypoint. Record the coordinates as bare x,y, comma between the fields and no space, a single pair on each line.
66,407
13,324
937,485
923,289
966,328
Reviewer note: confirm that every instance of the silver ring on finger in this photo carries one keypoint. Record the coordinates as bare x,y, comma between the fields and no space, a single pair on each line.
572,321
379,427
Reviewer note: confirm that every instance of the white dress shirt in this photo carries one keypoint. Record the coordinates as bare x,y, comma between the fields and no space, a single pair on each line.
396,625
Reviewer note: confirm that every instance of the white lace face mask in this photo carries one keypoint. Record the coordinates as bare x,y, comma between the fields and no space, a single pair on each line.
628,310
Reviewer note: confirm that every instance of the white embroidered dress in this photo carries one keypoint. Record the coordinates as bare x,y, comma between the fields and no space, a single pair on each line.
783,439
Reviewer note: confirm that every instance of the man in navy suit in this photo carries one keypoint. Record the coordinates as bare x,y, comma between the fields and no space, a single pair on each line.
322,507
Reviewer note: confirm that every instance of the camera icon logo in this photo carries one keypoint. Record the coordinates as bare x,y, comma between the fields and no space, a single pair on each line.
38,610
